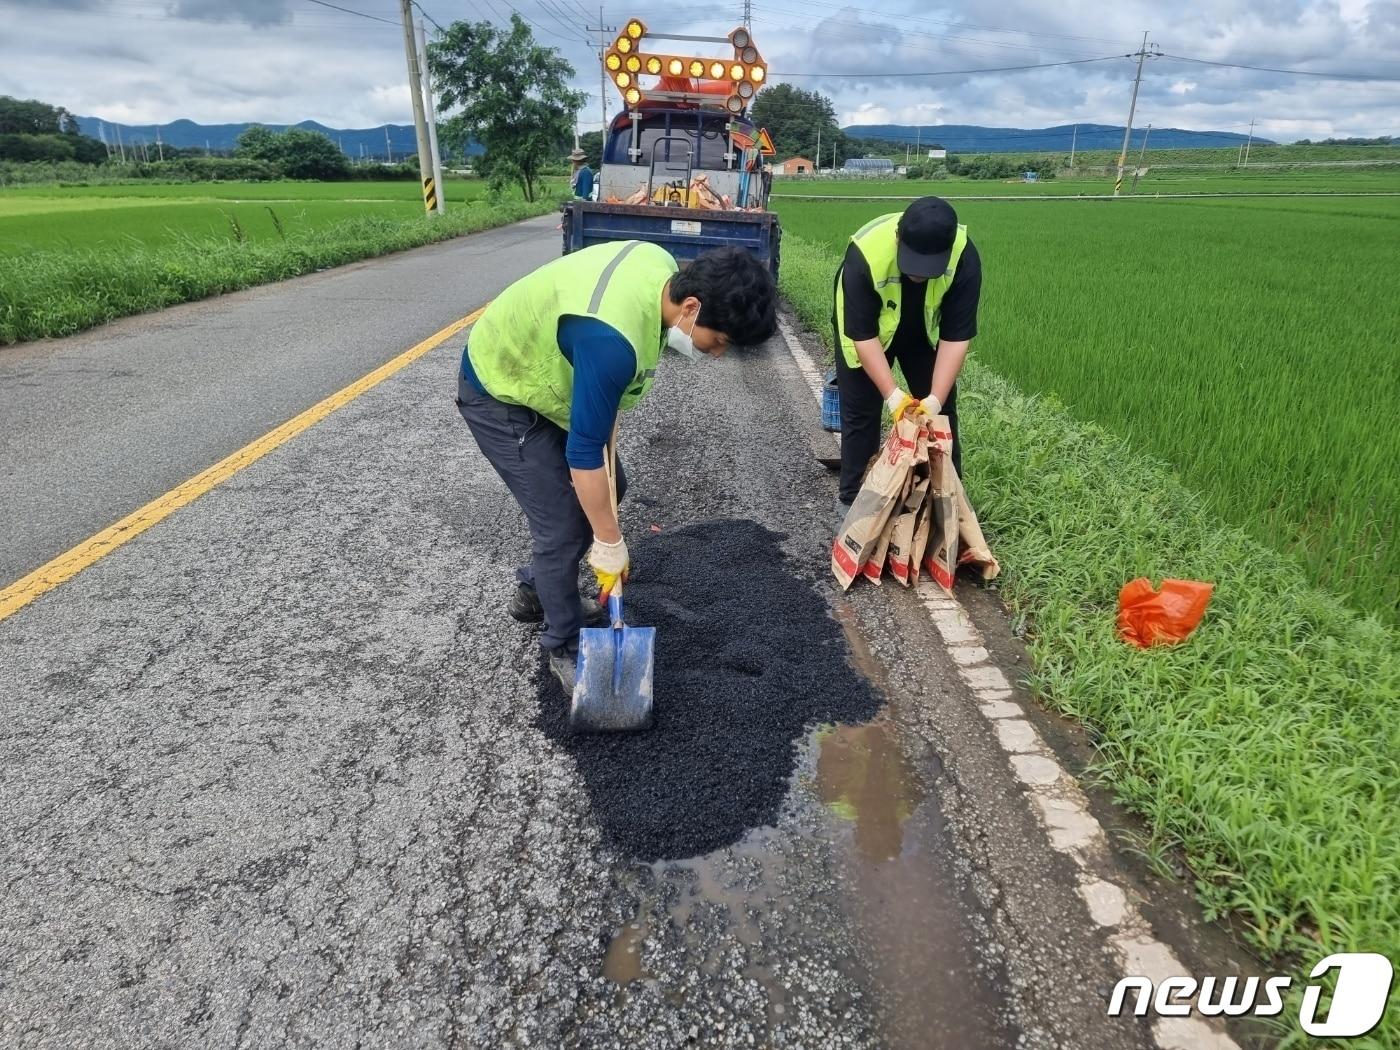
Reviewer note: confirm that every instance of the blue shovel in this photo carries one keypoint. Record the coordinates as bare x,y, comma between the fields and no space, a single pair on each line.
612,692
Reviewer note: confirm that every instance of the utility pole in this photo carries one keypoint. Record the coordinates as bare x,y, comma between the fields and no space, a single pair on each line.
1132,109
748,14
818,165
208,151
388,149
604,31
159,148
1073,141
431,111
121,150
420,126
1247,143
1137,171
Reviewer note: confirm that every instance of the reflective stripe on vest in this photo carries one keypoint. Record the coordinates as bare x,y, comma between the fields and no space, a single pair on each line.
877,243
514,347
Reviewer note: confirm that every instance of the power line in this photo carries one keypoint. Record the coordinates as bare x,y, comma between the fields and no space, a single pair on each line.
346,10
436,24
1294,72
961,72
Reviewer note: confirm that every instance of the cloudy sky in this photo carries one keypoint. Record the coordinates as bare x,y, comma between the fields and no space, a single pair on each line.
280,61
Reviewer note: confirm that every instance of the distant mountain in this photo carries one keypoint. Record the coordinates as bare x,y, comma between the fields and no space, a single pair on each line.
971,138
354,142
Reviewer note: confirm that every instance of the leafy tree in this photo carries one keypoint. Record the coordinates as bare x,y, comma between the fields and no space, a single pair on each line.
512,97
310,155
257,143
296,153
31,117
591,142
794,117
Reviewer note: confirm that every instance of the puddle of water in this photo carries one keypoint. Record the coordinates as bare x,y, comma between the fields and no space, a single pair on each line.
622,964
864,778
900,888
862,659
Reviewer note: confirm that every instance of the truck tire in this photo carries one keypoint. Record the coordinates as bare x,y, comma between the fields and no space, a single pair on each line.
776,251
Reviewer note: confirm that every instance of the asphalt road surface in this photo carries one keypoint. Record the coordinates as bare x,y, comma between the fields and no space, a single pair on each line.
280,772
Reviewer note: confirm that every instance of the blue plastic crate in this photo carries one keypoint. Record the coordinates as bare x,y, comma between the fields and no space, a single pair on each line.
831,403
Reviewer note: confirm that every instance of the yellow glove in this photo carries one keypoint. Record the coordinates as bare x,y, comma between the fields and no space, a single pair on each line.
609,563
900,403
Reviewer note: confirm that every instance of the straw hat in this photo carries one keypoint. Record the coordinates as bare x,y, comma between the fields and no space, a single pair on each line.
578,154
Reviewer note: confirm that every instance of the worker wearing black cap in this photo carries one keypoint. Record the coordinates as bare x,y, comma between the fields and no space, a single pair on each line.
906,292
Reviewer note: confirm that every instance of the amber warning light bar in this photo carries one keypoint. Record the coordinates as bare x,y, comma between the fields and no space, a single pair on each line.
726,82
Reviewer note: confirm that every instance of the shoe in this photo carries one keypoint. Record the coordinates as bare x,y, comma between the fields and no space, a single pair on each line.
842,509
563,664
525,606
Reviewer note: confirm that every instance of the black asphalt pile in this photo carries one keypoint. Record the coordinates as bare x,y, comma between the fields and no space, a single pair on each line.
747,657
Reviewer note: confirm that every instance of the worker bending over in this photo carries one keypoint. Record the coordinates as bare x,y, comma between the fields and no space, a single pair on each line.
906,292
545,372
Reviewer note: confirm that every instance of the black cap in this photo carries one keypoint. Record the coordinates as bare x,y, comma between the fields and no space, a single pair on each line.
927,230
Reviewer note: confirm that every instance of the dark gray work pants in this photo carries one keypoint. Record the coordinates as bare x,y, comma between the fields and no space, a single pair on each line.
527,451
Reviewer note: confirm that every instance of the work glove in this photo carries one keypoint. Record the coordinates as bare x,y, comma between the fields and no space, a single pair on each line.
932,406
899,403
608,562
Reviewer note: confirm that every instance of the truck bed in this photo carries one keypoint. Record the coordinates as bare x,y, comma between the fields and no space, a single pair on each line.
684,232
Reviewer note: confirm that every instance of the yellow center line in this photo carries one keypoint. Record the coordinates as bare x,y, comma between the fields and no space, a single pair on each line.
68,564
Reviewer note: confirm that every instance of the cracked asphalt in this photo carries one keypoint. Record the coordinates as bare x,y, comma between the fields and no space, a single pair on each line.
278,772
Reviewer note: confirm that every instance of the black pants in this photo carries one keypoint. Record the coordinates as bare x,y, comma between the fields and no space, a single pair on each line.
527,451
862,405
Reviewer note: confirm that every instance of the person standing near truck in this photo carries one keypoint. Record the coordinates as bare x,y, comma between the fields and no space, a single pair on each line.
545,372
581,180
907,292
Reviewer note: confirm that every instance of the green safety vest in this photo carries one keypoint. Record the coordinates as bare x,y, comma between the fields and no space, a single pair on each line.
876,241
514,347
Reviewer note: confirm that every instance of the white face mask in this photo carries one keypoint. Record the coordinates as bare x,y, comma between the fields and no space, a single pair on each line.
683,342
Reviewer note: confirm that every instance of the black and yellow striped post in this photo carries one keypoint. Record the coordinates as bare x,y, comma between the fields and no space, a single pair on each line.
429,195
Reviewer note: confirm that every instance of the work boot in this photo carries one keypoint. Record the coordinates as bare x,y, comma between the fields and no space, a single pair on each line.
563,664
525,606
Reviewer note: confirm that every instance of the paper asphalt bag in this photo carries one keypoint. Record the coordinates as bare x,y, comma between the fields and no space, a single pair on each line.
885,484
902,540
912,515
941,552
975,551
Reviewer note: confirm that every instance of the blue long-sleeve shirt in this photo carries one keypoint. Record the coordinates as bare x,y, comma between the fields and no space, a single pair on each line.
604,366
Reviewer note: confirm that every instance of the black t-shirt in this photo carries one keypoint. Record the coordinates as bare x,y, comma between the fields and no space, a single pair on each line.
957,320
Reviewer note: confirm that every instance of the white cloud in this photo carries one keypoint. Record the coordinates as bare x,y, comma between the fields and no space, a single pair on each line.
281,61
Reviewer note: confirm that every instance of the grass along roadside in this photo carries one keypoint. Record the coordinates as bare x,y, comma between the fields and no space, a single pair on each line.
1248,343
1267,747
55,293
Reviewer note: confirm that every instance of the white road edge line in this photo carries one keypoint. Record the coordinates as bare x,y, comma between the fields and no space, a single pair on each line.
1059,802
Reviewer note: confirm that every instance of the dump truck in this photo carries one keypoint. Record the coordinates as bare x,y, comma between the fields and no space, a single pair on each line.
682,163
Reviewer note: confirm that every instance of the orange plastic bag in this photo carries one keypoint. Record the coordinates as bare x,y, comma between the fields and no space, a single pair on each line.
1148,617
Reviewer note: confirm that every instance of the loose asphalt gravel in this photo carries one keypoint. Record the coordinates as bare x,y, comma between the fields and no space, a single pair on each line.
281,772
748,657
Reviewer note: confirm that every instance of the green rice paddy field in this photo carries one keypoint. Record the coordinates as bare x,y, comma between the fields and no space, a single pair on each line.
46,218
1370,180
1251,344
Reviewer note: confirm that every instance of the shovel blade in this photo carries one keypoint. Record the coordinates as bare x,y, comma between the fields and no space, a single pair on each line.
612,693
